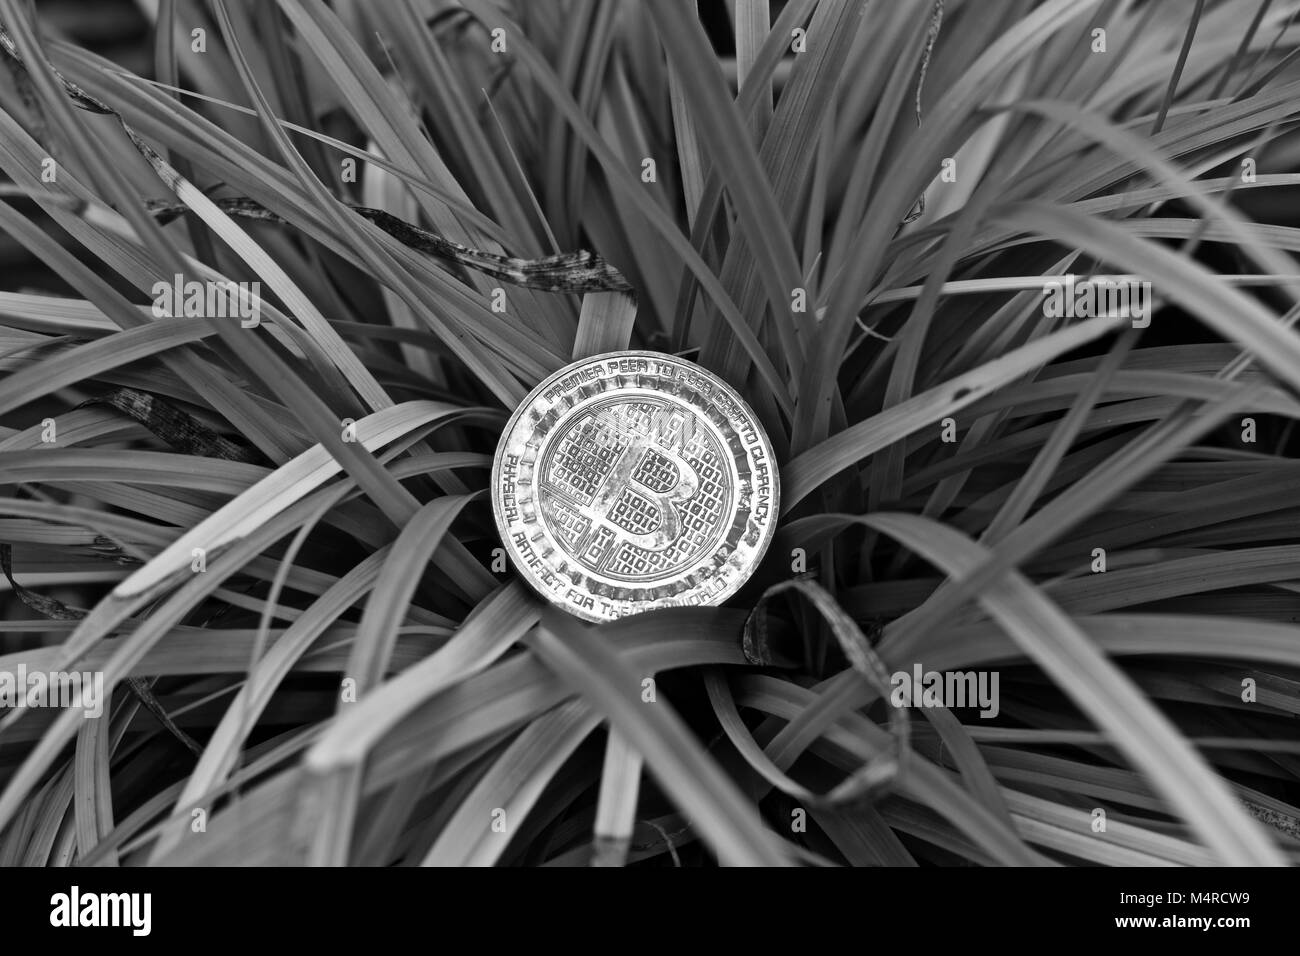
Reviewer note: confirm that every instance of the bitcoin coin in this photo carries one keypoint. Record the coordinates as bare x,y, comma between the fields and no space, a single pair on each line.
634,480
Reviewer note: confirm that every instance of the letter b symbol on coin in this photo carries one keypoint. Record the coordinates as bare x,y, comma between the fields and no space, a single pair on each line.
640,495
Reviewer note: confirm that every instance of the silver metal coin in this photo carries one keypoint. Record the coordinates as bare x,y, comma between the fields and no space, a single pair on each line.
634,480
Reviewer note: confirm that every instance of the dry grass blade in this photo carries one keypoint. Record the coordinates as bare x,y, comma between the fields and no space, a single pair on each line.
620,785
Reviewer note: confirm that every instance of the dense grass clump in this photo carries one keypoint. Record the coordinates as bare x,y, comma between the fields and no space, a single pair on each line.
268,532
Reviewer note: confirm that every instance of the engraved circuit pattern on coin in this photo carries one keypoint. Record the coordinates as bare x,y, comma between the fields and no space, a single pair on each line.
634,480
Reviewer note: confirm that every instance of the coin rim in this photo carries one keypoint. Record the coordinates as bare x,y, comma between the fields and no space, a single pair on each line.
760,551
